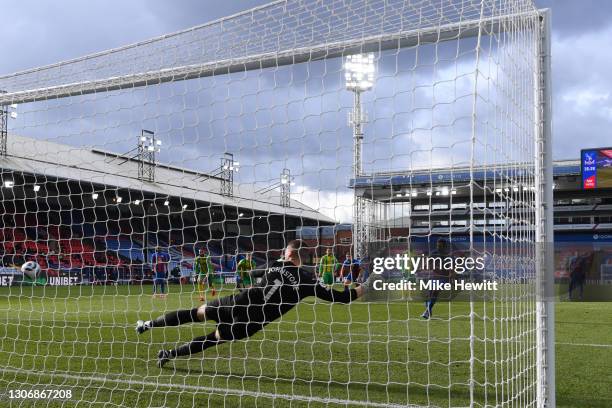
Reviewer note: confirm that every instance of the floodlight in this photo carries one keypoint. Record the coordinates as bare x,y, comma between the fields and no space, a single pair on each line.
94,196
9,184
136,202
184,206
149,143
119,199
36,187
241,215
13,114
359,72
166,203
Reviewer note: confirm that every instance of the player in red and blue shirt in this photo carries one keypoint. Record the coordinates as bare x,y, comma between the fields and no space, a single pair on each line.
159,262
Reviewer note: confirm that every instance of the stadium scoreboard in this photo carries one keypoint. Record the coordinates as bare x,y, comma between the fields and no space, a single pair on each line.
596,168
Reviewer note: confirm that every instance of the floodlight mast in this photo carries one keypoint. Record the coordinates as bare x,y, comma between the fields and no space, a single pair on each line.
148,145
6,112
359,76
228,167
286,181
225,172
284,184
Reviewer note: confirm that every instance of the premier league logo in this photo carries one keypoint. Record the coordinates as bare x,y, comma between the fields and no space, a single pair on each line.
589,160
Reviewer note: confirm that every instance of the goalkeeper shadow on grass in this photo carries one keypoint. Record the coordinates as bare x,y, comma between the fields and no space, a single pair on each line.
241,315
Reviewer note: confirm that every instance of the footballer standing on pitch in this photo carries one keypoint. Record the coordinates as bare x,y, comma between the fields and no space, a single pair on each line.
243,314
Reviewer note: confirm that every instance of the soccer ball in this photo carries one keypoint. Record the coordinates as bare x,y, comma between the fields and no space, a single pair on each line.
31,269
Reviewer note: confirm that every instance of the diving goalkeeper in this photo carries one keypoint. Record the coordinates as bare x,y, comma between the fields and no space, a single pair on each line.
243,314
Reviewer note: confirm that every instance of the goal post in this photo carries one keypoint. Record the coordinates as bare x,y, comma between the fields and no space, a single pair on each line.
544,200
367,129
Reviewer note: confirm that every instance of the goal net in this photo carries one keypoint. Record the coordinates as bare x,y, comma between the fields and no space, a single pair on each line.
366,128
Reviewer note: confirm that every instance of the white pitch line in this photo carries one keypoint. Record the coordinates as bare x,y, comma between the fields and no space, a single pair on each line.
422,339
212,390
584,344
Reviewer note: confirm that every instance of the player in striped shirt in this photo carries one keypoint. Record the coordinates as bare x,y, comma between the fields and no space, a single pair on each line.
327,267
244,269
204,270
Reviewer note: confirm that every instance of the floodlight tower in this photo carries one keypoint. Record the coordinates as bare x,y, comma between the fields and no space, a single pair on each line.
284,184
359,76
228,167
286,181
147,147
225,172
6,111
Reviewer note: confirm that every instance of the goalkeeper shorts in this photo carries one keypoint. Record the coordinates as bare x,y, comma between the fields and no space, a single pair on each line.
232,321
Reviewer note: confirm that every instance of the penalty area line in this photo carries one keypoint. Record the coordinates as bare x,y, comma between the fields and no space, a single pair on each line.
211,390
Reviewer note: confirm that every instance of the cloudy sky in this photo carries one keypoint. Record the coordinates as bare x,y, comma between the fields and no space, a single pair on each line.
37,33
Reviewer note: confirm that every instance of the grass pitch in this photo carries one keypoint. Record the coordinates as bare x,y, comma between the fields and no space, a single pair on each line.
82,339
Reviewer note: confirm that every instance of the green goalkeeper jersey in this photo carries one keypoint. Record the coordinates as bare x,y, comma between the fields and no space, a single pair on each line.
327,264
202,265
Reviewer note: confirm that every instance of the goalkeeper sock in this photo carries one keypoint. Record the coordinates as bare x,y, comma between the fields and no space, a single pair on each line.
197,345
176,318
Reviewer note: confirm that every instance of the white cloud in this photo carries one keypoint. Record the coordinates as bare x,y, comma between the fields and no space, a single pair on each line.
582,106
588,101
335,204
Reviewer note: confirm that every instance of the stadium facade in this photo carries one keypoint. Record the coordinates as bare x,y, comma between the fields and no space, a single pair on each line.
428,204
76,209
86,213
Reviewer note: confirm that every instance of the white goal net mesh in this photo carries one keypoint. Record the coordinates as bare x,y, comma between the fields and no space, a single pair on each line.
240,135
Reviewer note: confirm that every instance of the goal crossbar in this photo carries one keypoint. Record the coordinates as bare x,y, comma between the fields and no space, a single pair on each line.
454,31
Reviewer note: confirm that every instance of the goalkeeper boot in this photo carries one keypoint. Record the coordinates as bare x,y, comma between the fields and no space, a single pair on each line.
163,357
142,326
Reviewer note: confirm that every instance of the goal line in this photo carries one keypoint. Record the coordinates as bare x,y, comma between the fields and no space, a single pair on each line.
211,390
